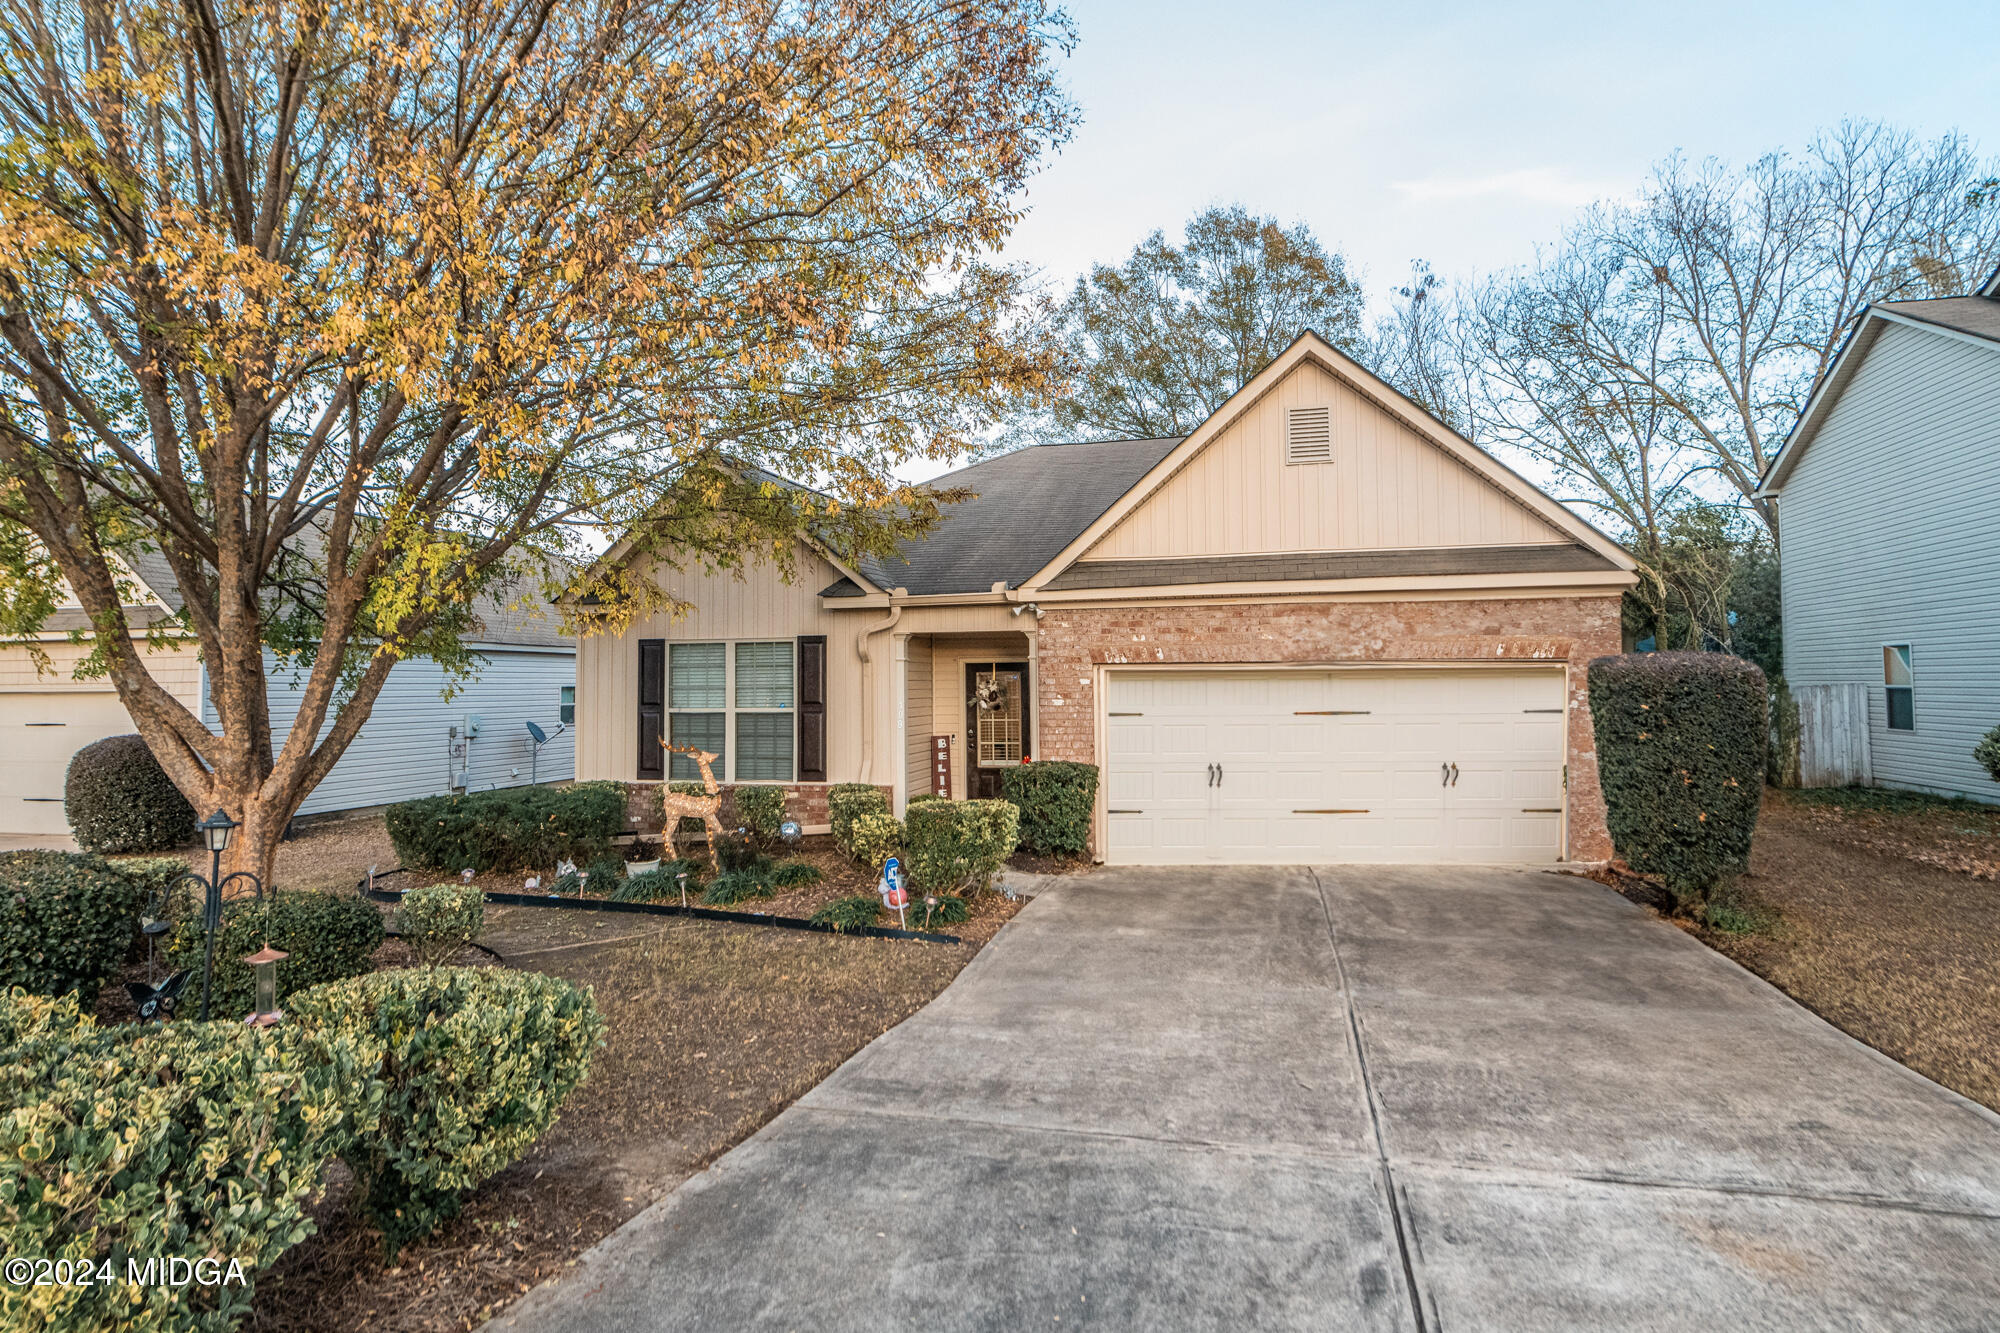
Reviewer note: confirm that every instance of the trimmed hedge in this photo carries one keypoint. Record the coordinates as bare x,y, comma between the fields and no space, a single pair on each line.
66,920
761,809
437,921
119,799
1056,799
509,828
329,937
954,845
847,802
1681,740
201,1140
477,1062
873,839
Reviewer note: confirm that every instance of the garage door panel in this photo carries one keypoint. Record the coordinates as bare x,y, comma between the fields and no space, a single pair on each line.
1388,755
39,733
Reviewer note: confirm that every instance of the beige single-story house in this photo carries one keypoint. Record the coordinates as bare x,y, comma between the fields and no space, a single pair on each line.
1320,628
414,743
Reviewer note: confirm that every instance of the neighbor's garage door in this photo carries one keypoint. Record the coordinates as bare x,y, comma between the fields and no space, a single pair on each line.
38,734
1383,765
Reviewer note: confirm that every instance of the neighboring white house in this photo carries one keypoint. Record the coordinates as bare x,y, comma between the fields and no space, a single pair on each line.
1888,494
414,743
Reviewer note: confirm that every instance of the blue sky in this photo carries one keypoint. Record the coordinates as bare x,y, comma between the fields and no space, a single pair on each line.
1466,133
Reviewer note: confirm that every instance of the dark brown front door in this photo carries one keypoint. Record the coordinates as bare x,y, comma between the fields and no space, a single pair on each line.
996,724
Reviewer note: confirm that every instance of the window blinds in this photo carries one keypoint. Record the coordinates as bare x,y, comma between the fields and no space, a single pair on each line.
764,675
695,675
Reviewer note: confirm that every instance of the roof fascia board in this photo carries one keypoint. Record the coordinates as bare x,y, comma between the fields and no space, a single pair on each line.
1601,582
1311,347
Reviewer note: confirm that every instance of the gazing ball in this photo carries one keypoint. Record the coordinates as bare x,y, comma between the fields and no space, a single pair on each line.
790,833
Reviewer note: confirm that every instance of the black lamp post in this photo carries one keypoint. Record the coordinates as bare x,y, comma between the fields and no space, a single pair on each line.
216,831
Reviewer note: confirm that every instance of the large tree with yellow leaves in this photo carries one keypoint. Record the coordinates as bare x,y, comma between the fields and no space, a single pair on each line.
357,310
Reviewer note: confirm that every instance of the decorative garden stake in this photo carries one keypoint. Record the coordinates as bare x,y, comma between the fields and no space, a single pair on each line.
683,878
157,1001
465,875
265,964
894,896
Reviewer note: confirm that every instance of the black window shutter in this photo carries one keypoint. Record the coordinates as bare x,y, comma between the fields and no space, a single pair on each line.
652,707
812,708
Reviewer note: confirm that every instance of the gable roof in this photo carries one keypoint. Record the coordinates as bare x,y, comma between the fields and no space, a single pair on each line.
1026,506
1309,346
1974,319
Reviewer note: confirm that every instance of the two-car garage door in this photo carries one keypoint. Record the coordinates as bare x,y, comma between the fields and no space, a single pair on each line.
1366,764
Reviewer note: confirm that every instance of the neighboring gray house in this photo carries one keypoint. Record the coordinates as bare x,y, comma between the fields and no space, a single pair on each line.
1888,494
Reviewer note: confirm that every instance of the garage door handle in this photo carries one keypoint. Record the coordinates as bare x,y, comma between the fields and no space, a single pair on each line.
1211,775
1218,775
1454,775
1444,775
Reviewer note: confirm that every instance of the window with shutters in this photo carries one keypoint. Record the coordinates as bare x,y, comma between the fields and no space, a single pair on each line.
737,701
1308,435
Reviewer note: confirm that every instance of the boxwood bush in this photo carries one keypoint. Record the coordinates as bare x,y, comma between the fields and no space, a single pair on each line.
189,1139
1056,799
1987,753
437,921
119,799
1681,740
761,810
874,838
510,828
66,921
847,802
328,935
476,1064
958,845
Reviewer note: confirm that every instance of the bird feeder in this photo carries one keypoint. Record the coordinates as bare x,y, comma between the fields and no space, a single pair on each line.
264,963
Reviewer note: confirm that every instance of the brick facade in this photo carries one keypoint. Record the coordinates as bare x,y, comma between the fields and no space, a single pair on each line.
1572,630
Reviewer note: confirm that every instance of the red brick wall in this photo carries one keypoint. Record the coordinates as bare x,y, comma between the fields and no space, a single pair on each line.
1539,629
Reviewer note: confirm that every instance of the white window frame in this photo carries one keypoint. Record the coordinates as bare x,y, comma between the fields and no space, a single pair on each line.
729,710
1910,665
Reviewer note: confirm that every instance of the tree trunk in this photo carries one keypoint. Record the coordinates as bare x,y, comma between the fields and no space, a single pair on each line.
263,817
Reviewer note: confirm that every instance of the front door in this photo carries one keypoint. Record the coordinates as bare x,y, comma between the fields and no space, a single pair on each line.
996,724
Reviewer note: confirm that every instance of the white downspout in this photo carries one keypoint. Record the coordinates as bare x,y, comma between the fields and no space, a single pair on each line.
868,684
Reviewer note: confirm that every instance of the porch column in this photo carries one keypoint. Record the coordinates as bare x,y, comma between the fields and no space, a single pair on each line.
899,703
1032,688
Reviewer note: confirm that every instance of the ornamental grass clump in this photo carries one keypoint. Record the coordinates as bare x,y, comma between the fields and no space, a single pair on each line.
476,1064
849,914
197,1140
1681,742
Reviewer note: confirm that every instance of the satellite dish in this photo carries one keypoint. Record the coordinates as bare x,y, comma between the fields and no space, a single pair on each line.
541,737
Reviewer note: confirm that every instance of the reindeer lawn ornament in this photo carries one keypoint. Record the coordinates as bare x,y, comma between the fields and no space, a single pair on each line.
704,807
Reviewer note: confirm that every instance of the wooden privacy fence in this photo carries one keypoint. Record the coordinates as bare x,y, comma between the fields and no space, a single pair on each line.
1833,736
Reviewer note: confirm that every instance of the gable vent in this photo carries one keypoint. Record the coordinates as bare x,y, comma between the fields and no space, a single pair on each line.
1308,435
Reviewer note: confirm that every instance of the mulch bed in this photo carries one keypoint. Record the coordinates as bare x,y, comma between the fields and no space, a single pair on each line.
714,1028
1884,921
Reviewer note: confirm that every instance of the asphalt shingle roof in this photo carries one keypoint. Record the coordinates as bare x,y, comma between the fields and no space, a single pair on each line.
1976,315
1027,505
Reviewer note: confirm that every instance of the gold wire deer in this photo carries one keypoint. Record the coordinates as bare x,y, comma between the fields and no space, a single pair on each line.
705,807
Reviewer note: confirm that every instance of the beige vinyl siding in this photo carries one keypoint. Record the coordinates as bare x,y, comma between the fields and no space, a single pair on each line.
176,667
917,737
1890,525
1386,488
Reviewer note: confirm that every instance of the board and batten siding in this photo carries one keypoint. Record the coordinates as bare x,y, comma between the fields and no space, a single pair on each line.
1890,531
401,754
1387,488
917,736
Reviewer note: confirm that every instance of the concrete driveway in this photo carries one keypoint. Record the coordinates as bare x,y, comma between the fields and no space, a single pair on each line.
1331,1099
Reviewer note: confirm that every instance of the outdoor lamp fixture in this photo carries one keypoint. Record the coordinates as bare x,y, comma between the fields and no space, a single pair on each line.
217,831
264,963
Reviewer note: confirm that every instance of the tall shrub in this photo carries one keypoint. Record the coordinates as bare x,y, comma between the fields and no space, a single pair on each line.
510,828
1987,753
191,1140
477,1061
118,799
761,809
1681,741
65,921
1055,798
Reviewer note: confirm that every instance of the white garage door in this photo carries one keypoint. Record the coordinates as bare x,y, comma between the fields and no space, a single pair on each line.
1381,765
38,734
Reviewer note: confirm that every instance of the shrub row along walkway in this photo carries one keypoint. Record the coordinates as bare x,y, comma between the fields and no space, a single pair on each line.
1336,1099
